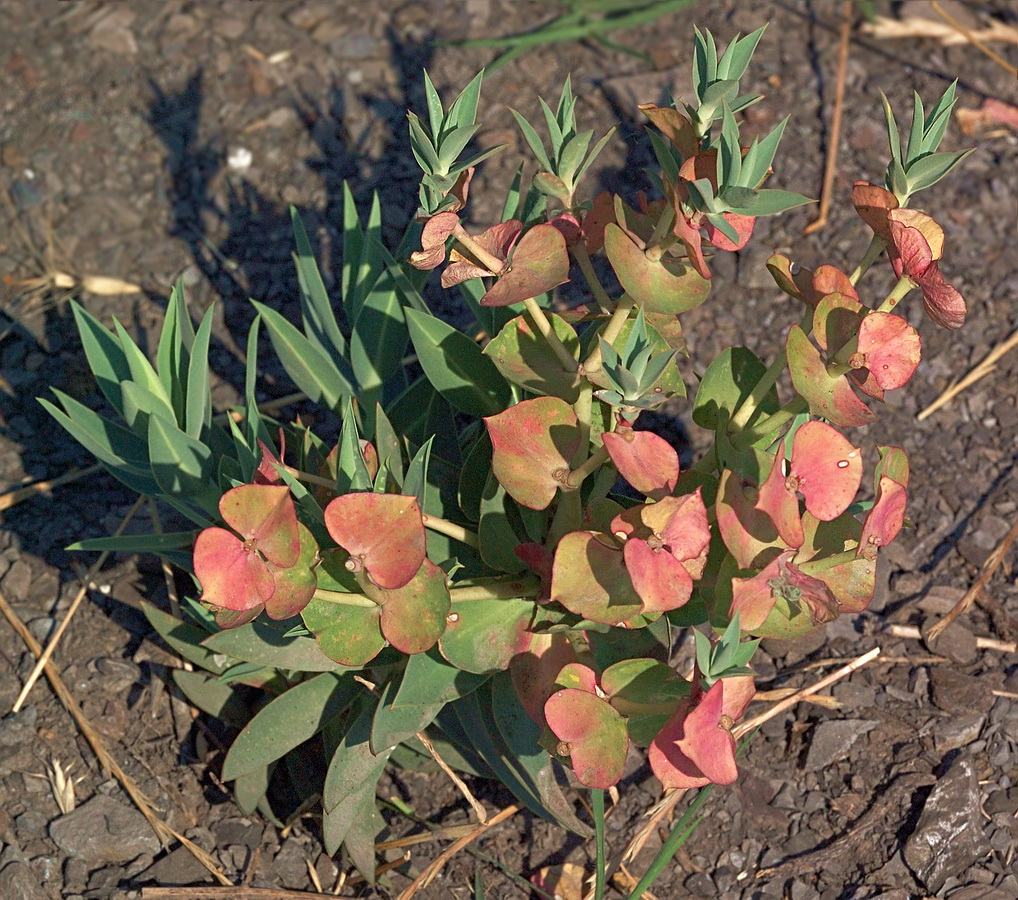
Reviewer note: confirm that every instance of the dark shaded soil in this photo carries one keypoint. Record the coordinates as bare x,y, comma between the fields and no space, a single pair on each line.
118,125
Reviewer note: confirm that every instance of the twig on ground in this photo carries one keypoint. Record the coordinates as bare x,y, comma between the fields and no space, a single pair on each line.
428,875
982,369
475,805
983,643
989,568
163,831
772,696
18,495
196,892
973,39
75,603
831,163
751,724
657,813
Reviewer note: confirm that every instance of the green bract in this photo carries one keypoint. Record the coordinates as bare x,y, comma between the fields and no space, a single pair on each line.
460,573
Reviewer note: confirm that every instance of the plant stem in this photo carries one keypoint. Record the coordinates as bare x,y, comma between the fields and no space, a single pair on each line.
598,458
616,323
772,423
597,802
308,478
680,833
583,408
496,590
829,562
582,258
898,292
450,529
343,598
492,263
567,360
873,251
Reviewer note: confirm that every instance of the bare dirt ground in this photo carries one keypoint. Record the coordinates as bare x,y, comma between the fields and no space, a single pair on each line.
157,140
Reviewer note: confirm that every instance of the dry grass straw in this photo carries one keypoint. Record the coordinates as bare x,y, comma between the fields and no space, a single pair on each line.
431,872
982,369
46,655
164,832
831,163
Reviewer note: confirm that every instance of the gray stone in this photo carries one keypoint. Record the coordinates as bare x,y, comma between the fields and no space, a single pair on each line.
18,882
949,836
959,694
104,830
17,732
956,642
176,869
290,864
832,739
957,732
17,581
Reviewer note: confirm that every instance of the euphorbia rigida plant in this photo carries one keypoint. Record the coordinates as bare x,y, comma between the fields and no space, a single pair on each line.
459,574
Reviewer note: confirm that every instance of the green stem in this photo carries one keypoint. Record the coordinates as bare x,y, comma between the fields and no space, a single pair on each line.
597,459
568,517
450,529
828,562
511,589
751,404
898,292
565,358
492,263
772,423
612,330
583,408
597,802
680,834
582,258
872,254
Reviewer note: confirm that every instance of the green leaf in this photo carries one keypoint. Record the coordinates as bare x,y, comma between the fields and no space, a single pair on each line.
141,369
572,156
524,357
311,370
423,149
106,358
415,483
267,643
394,724
435,112
254,426
288,721
928,170
198,409
757,161
534,142
727,383
428,679
729,160
181,465
454,143
893,136
938,119
249,790
464,108
737,55
123,453
378,341
485,635
456,366
175,343
184,638
353,763
764,202
915,135
137,543
593,155
316,309
140,404
555,134
213,697
497,535
352,471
